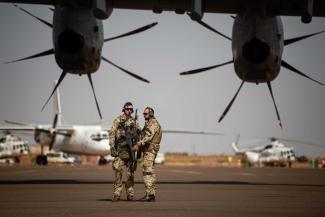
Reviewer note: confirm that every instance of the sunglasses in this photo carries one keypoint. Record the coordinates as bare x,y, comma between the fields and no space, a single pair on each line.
145,113
129,109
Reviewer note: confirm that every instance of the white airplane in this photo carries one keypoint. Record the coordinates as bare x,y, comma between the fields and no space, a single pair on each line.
12,147
75,139
274,152
257,39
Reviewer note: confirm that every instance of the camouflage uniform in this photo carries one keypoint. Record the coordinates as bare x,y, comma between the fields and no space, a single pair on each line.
117,139
149,144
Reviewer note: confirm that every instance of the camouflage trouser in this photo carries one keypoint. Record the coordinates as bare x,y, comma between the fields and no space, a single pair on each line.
118,165
149,176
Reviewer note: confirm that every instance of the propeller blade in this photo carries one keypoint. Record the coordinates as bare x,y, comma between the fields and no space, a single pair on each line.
210,28
63,74
194,71
15,123
43,21
92,87
237,138
293,40
55,121
52,140
44,53
126,71
291,68
276,108
230,104
141,29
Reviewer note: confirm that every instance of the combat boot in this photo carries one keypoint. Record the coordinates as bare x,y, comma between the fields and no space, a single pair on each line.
152,198
116,198
129,198
148,198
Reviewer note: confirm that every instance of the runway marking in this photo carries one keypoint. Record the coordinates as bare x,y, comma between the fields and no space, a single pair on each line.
186,171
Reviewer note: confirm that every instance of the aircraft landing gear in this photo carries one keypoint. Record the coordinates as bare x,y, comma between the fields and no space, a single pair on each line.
102,161
41,160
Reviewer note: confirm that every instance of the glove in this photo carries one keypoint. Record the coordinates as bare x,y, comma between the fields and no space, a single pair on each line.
114,152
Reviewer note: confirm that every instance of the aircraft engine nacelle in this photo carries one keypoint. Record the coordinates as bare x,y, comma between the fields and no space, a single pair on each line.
42,137
257,44
307,14
102,9
78,39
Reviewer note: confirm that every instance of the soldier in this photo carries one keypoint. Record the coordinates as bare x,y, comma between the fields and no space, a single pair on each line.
149,145
121,151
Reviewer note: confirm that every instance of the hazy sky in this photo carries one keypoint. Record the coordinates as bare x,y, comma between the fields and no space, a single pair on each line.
192,102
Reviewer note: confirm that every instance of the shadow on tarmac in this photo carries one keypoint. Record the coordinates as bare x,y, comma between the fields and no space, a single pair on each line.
83,182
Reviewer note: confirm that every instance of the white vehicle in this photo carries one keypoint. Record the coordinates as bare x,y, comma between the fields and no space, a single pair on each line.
274,152
13,147
75,139
60,158
160,158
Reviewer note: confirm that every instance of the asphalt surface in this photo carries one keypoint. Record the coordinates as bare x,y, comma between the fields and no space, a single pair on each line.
182,191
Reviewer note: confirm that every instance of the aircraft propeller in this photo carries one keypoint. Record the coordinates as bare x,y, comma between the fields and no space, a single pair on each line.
63,74
283,63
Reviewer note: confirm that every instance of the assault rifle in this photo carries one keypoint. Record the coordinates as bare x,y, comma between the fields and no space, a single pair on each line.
131,137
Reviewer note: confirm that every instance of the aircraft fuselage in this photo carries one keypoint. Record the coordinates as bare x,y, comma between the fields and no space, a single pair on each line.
88,140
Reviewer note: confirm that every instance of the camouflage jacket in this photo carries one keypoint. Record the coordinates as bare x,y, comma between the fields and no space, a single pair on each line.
150,135
117,136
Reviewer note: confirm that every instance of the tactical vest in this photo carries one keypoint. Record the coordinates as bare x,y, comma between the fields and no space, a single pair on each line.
157,137
153,145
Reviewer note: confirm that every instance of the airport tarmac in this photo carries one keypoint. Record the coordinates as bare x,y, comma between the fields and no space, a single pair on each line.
182,191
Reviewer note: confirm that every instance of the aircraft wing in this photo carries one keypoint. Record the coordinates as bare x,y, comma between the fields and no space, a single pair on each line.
107,128
41,2
20,128
64,130
276,7
192,132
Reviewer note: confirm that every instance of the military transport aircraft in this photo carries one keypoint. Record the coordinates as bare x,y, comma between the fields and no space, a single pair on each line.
257,39
74,139
78,40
